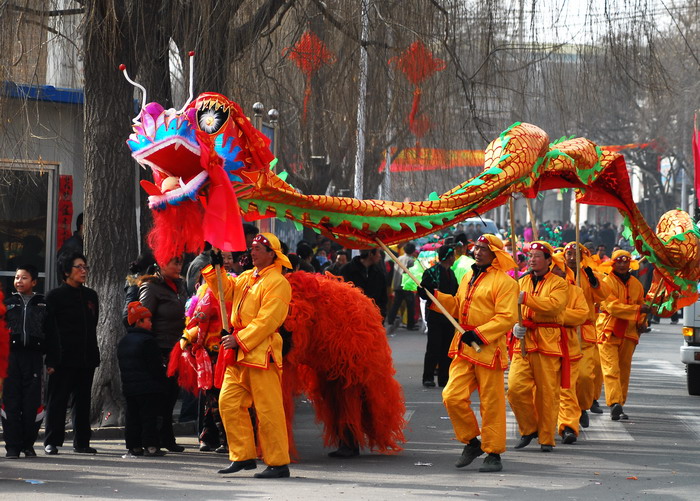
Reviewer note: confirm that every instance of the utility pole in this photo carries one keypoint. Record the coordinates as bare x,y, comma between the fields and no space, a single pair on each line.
362,103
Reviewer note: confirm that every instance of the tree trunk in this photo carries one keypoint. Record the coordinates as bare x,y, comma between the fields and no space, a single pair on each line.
110,226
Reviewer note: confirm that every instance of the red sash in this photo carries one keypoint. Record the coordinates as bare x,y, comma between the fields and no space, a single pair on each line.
563,345
227,356
620,327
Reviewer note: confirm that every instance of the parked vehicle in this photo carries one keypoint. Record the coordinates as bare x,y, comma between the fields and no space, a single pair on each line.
690,351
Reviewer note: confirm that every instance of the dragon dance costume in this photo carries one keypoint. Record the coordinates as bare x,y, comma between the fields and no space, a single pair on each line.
545,343
618,324
253,371
486,303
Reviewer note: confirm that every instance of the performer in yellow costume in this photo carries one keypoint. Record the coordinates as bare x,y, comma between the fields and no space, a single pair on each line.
572,317
594,291
534,380
486,306
253,359
621,315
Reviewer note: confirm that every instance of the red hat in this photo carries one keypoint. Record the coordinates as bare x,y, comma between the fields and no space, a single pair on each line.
136,311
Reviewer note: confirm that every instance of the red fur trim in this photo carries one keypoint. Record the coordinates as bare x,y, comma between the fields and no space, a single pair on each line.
176,230
4,341
182,364
342,363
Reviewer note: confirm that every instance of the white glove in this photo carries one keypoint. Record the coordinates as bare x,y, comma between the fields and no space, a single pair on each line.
519,331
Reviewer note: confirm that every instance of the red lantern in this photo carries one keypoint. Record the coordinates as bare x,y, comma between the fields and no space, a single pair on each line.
418,64
309,54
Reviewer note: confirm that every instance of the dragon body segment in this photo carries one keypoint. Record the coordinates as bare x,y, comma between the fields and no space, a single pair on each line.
211,140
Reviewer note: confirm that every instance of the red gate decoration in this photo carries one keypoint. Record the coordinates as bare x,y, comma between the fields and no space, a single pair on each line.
309,54
418,64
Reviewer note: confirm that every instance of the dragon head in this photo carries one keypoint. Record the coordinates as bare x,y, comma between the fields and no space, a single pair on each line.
176,146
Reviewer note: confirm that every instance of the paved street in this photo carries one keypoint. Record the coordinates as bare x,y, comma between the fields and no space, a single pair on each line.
654,455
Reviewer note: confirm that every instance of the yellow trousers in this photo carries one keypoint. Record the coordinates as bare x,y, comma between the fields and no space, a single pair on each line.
466,377
533,393
585,384
242,388
569,410
598,386
616,363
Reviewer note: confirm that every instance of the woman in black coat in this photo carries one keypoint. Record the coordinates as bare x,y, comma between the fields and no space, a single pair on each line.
72,310
165,296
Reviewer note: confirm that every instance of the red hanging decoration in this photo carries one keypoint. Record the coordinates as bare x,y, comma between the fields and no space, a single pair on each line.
418,64
309,54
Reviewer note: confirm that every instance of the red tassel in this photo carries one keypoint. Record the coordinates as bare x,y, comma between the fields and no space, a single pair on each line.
182,364
176,230
307,95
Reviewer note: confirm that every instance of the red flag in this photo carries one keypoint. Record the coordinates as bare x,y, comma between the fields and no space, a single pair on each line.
696,157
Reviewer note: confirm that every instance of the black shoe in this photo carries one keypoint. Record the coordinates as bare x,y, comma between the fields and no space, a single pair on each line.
85,450
492,463
12,454
596,408
583,420
469,454
136,451
429,384
623,416
222,449
248,464
615,412
174,448
546,448
153,452
568,436
274,472
29,452
525,440
345,452
51,450
204,447
412,328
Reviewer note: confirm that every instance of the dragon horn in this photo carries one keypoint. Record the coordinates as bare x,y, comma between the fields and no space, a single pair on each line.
189,99
122,68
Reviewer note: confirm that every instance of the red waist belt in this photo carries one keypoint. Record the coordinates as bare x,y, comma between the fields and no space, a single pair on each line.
227,356
565,360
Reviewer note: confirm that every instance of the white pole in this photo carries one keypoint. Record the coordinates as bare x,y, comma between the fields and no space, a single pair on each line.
361,104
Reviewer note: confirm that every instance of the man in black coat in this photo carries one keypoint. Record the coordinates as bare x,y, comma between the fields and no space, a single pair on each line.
73,310
366,273
440,330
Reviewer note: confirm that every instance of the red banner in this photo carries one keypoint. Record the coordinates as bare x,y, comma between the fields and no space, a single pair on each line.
65,209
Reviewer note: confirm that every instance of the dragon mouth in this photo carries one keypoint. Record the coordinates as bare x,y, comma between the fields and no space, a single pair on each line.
172,157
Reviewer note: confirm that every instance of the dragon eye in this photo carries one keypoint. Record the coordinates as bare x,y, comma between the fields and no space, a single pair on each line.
211,118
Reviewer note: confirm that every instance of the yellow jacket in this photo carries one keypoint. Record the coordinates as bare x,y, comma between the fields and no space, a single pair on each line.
619,312
593,297
260,303
575,314
543,305
489,307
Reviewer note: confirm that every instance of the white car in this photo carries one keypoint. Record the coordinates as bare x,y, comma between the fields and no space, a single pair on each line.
483,224
690,351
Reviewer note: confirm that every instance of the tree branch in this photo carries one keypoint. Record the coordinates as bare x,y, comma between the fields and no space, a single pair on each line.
342,27
250,31
48,13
